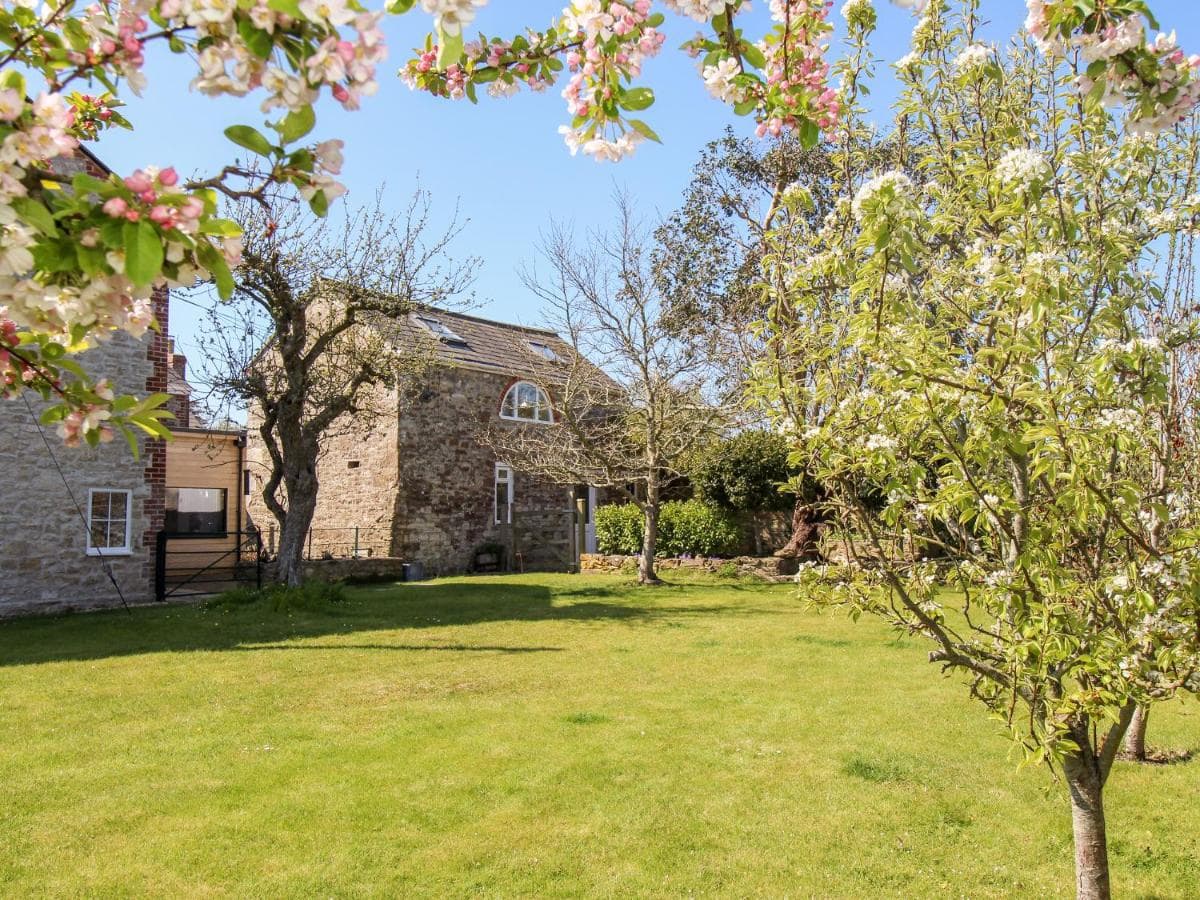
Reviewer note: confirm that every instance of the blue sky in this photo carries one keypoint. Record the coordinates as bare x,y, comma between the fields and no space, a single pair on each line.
502,161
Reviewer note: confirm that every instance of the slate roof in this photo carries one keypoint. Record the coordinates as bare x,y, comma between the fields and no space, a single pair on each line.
483,344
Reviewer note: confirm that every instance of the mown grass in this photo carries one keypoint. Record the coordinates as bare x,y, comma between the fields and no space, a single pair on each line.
536,736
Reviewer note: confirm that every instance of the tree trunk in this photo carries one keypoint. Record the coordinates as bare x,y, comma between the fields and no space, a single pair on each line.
301,485
807,522
646,573
1086,787
1134,747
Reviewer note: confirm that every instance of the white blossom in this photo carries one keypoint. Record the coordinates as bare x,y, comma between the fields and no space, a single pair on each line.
972,58
1022,168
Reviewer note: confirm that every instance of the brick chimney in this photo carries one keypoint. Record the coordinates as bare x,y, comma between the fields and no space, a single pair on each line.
178,360
180,391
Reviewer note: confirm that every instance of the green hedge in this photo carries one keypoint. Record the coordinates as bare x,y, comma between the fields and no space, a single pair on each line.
685,527
619,529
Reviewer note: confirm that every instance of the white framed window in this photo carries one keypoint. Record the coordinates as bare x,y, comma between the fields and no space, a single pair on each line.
526,402
503,494
109,518
545,351
439,329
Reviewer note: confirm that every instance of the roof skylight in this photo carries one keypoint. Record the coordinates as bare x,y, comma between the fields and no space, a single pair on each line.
439,329
545,351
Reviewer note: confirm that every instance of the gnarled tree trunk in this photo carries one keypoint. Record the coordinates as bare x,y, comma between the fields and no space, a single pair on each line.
301,484
807,522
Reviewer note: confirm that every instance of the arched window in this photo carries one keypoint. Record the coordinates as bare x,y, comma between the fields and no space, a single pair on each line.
526,402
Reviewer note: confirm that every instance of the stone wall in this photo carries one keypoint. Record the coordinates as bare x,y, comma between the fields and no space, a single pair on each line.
445,498
419,485
376,568
44,564
766,532
770,568
358,474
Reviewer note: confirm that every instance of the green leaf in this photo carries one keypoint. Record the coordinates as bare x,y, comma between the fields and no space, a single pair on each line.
319,203
210,257
143,252
85,184
54,255
809,134
287,7
296,124
221,227
14,80
400,7
256,40
644,130
250,138
450,48
637,98
78,38
753,55
91,259
130,439
34,213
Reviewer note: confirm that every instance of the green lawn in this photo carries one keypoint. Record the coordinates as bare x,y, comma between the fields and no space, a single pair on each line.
539,735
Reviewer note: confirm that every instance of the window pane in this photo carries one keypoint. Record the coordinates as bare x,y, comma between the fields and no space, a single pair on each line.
526,402
108,515
195,510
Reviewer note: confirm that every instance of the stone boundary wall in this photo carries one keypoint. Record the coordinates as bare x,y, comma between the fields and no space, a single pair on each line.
769,568
367,568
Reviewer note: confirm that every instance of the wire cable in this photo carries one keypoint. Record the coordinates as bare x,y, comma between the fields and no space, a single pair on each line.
104,563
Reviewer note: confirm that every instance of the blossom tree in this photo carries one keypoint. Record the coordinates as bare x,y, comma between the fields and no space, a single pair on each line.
81,256
984,335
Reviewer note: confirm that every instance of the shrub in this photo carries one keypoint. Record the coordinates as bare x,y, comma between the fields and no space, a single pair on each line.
747,472
619,529
693,527
685,528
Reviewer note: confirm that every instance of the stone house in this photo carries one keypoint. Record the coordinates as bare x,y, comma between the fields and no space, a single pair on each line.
79,526
415,483
57,532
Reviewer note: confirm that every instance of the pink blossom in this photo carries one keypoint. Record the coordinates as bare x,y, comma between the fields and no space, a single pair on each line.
139,182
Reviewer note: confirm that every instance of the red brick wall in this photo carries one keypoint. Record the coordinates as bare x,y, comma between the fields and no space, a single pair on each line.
155,451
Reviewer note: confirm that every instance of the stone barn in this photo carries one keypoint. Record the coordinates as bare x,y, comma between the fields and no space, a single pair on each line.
415,483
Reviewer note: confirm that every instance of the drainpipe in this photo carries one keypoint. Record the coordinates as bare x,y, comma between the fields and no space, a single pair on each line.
240,494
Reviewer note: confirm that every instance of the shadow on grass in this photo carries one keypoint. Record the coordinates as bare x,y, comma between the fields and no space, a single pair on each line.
411,648
255,626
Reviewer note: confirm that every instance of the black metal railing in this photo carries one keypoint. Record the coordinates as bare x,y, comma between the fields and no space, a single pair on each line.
190,565
349,542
